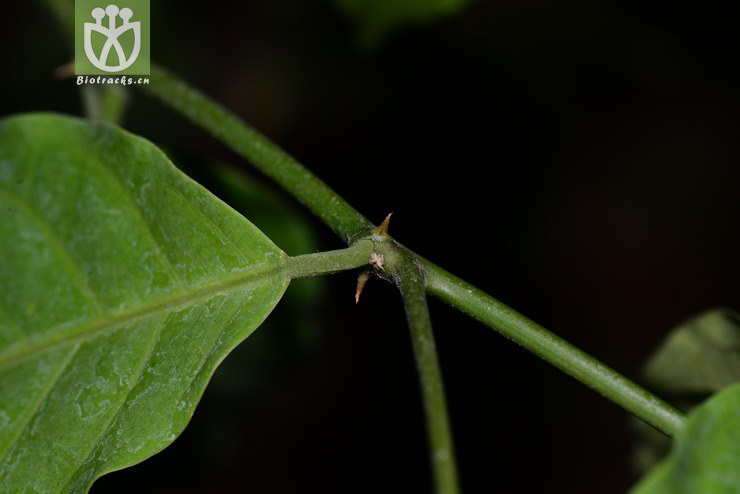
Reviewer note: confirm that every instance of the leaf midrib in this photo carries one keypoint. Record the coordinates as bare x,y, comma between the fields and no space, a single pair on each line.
60,336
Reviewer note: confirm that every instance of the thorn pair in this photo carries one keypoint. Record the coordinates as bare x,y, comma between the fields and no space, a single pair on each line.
376,259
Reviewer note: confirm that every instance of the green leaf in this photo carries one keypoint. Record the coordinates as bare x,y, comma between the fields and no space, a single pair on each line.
290,228
706,456
123,284
292,331
699,357
376,18
268,208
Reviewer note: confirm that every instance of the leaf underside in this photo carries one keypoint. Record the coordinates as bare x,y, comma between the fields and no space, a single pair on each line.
123,285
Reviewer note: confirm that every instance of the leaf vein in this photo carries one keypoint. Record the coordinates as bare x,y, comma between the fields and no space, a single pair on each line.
126,193
57,244
34,409
216,229
106,428
171,302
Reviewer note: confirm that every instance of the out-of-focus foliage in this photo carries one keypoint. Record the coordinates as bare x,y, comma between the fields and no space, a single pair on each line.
377,18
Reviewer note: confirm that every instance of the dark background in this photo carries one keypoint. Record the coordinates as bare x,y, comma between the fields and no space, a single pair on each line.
577,159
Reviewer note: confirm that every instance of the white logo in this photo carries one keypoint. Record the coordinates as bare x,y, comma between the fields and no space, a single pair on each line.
112,33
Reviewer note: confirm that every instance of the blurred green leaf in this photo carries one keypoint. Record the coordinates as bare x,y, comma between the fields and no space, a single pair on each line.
377,18
706,455
700,357
123,284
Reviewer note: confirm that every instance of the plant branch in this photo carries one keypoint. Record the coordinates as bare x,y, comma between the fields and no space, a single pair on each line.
350,224
553,349
441,446
321,200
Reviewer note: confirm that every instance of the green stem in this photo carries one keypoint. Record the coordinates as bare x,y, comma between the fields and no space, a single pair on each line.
553,349
260,151
350,224
105,102
91,104
441,446
332,261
